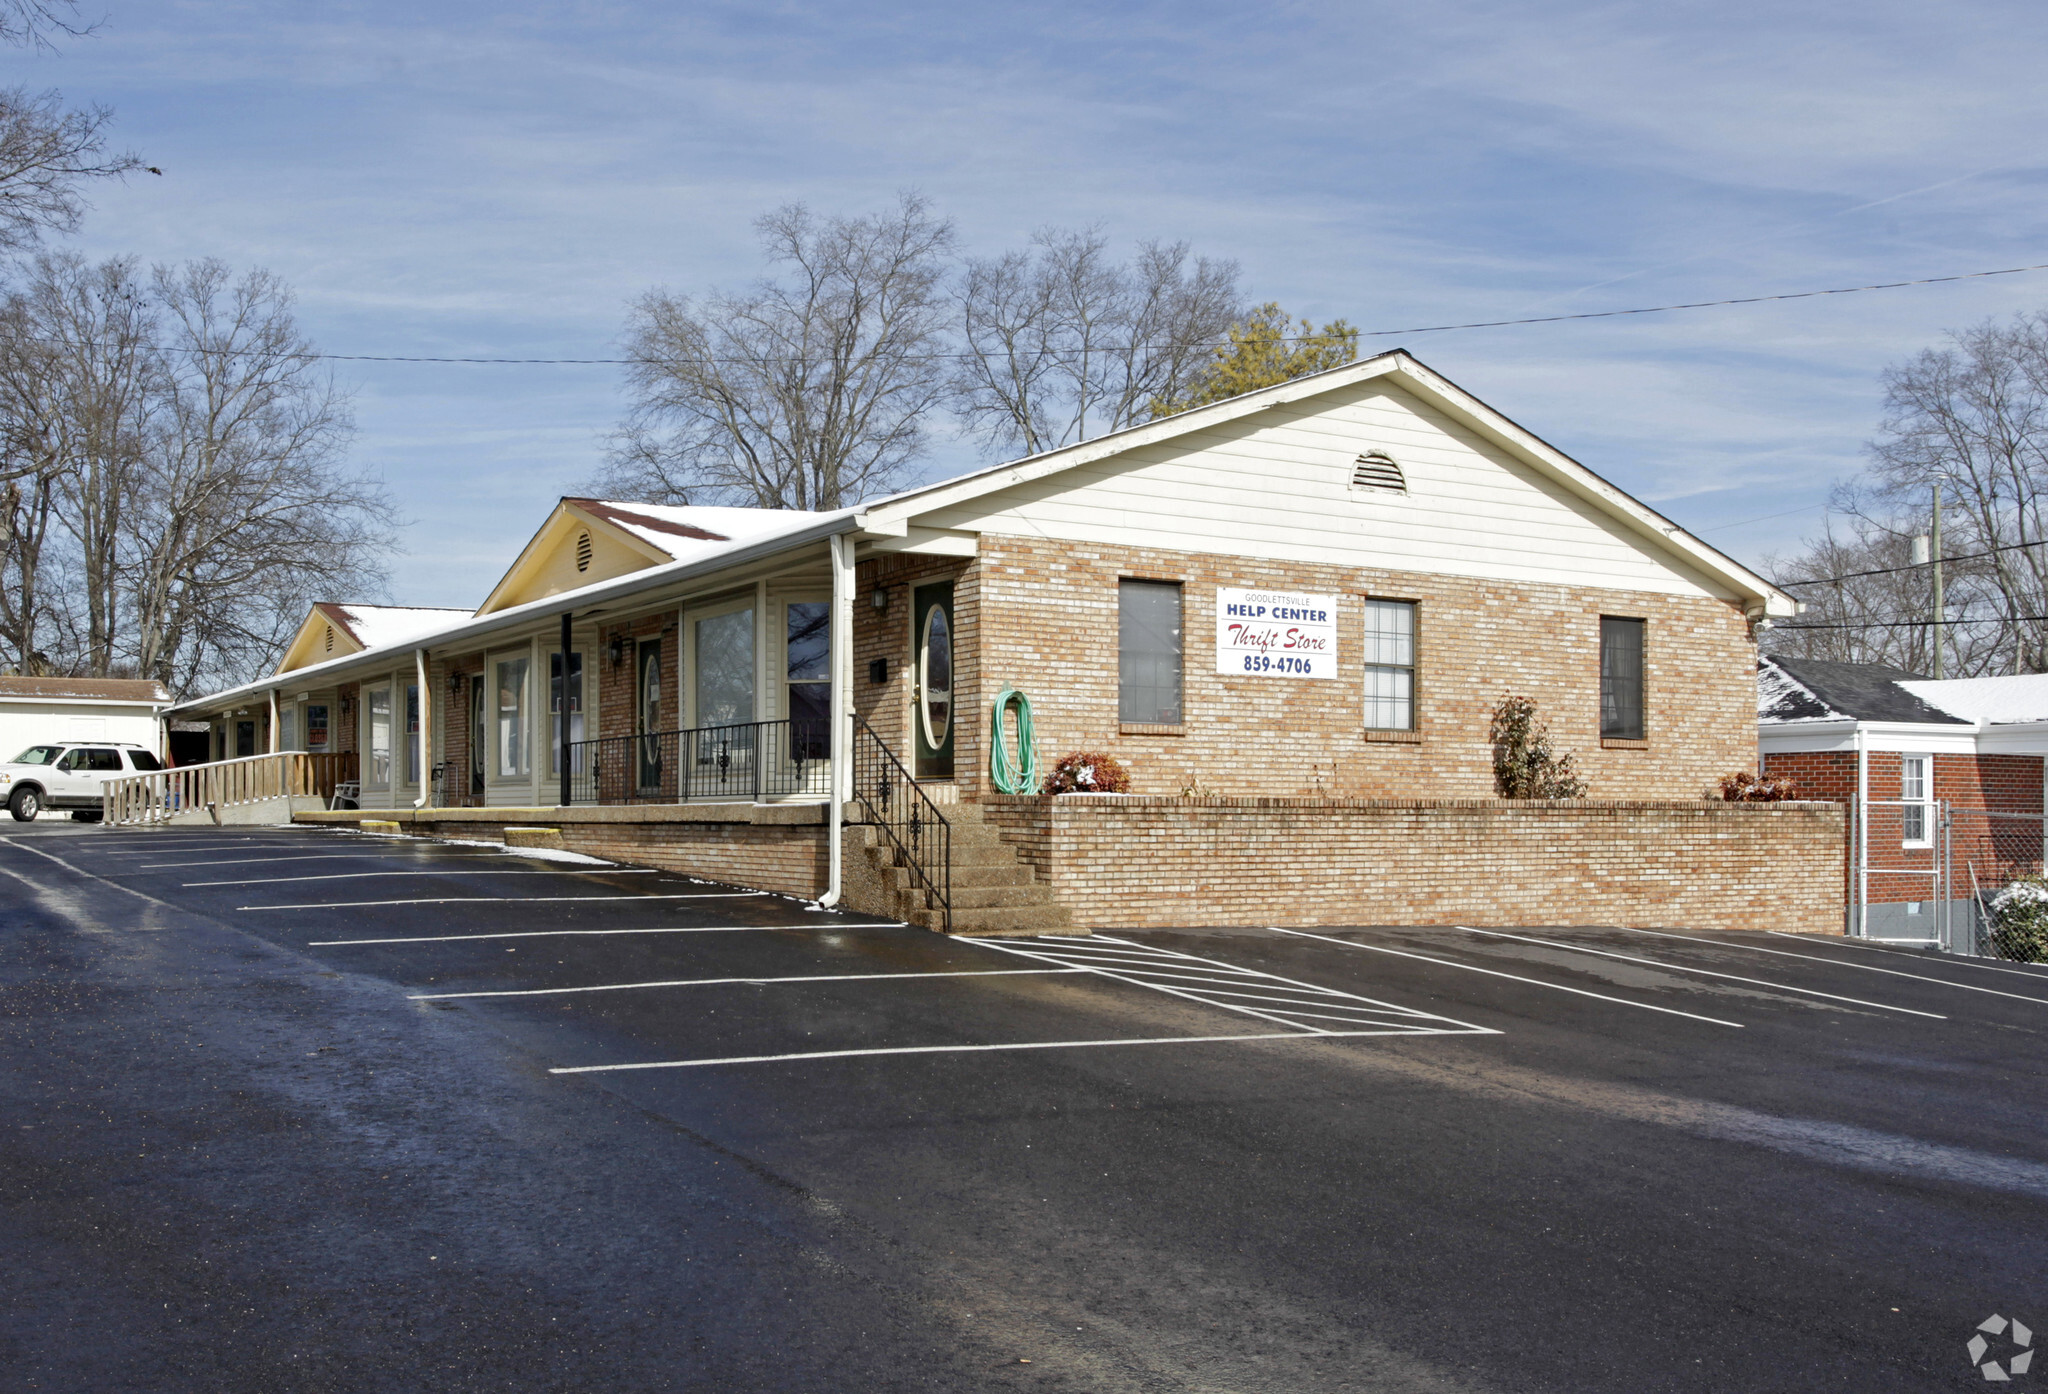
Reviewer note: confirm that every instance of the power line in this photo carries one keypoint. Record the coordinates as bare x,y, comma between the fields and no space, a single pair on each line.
1913,566
1912,624
1111,348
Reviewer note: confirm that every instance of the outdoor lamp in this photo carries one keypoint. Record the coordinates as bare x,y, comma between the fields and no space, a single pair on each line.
879,597
618,650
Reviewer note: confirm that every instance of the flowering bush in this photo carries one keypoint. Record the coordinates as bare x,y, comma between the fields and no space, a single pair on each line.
1083,773
2019,920
1743,787
1524,765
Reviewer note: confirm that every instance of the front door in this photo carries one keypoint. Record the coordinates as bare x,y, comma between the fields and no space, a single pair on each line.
477,753
647,715
932,679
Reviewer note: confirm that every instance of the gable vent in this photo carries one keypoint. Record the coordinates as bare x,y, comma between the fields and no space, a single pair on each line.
330,638
583,552
1377,470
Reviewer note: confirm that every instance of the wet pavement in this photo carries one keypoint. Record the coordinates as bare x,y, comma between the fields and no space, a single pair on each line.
304,1110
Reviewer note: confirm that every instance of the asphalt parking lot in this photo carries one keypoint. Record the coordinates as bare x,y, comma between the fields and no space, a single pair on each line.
294,1109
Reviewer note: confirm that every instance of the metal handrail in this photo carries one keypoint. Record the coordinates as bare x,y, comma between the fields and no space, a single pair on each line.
751,759
888,798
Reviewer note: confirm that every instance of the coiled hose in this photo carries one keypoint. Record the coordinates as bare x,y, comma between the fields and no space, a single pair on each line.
1022,776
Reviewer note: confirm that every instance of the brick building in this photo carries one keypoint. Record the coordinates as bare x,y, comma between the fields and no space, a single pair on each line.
1942,779
1312,595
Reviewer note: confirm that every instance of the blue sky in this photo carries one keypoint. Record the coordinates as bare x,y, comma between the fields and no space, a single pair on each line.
471,179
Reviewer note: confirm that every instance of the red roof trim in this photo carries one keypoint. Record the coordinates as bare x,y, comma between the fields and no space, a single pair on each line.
642,520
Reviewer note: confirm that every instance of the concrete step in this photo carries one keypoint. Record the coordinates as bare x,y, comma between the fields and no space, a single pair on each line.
1000,897
901,878
1007,920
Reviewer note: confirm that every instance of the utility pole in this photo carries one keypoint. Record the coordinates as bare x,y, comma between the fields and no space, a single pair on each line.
1940,610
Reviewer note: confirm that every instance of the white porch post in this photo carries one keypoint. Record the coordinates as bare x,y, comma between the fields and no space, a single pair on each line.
841,650
419,661
275,734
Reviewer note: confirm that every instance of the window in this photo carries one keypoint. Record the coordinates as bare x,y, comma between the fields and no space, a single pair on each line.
1148,652
377,770
555,710
1390,665
807,654
1621,679
1913,787
724,653
38,755
316,726
288,729
103,761
512,758
412,733
144,760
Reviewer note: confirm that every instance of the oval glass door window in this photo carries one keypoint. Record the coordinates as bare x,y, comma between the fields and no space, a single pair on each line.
935,661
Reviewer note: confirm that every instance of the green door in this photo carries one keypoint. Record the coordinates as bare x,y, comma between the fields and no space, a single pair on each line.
932,676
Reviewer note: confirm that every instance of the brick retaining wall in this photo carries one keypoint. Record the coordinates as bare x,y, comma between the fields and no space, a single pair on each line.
1137,862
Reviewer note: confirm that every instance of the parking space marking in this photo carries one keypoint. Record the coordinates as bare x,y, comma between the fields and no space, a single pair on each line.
1167,970
959,1049
1839,963
560,933
1703,972
1948,960
504,900
537,869
1514,977
272,861
749,982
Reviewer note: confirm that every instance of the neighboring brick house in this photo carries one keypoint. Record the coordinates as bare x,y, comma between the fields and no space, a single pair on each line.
1943,779
1316,592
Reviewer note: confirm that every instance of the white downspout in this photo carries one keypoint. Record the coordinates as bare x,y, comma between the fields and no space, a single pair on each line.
1862,836
841,648
419,660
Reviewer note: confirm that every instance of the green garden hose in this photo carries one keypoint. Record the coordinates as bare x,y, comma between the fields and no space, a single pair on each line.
1021,777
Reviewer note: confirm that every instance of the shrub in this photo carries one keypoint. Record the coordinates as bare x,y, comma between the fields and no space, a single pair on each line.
1743,787
2019,920
1083,773
1524,766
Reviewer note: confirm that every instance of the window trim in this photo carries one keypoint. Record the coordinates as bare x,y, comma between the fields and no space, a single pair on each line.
1637,739
1924,805
1180,587
1412,732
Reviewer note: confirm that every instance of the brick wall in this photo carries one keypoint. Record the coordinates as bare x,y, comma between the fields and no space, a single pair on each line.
344,722
454,724
1161,862
1045,616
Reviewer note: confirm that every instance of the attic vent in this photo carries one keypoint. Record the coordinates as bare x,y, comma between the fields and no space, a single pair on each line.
583,552
330,638
1376,470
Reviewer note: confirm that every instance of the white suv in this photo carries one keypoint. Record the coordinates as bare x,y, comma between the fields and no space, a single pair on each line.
68,776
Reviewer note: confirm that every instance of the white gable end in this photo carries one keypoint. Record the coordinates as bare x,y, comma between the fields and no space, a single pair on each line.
1277,485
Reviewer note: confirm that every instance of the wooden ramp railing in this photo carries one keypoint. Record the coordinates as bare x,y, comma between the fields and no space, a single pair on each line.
205,790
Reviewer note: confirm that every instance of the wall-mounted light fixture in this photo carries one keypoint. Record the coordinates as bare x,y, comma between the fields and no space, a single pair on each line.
879,597
454,683
617,651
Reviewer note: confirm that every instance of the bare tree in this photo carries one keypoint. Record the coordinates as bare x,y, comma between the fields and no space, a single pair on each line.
1971,419
46,155
807,391
243,497
1064,343
34,23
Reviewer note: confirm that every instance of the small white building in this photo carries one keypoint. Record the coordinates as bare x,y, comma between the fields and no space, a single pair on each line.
36,710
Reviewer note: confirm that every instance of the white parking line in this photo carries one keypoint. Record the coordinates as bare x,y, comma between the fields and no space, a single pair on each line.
1310,1035
1493,973
504,900
272,861
538,869
1703,972
750,982
1840,963
1947,960
1172,972
563,933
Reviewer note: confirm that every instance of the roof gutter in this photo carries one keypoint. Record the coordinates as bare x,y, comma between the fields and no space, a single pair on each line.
651,579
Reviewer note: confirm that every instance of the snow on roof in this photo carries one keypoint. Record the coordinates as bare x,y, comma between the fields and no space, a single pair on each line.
698,530
1817,689
1993,701
374,626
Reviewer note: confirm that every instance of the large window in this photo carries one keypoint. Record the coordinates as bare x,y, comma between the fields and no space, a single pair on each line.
512,757
724,652
316,726
1148,652
555,709
1621,679
1390,665
1913,786
377,772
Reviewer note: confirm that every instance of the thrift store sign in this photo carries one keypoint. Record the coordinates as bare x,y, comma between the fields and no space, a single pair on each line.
1276,633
